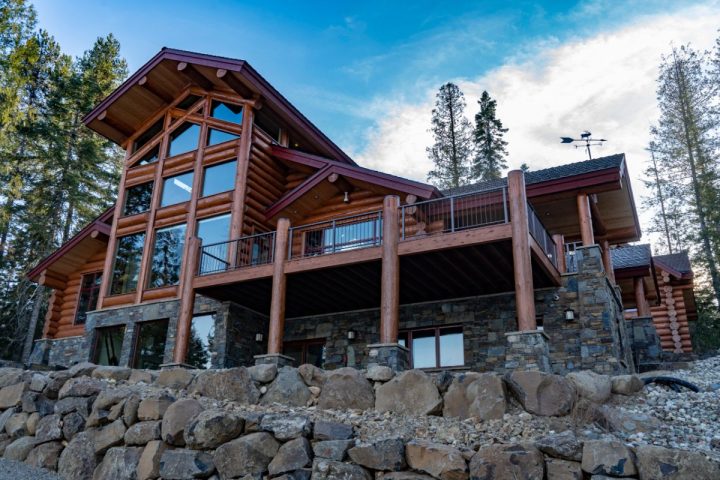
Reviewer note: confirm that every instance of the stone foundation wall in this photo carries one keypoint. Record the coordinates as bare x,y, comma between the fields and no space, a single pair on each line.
63,351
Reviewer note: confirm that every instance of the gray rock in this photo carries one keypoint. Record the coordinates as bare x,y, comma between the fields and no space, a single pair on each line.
440,461
49,428
120,463
4,442
250,454
130,409
116,411
627,384
4,417
81,387
563,445
111,373
406,476
480,395
542,393
379,373
176,418
658,463
301,474
11,396
149,463
36,402
346,388
312,375
557,469
78,460
108,436
233,384
411,392
175,378
324,469
16,425
19,449
45,455
252,421
142,376
142,433
73,423
212,428
32,422
80,405
325,430
507,462
620,420
288,388
180,464
263,373
38,382
601,457
109,397
388,454
332,449
286,427
56,380
153,408
82,369
593,386
292,455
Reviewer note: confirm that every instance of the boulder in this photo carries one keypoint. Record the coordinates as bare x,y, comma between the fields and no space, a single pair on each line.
82,369
154,408
142,376
440,461
288,388
120,463
73,423
379,373
19,449
80,405
49,429
12,376
617,419
388,454
180,464
130,409
252,421
36,402
563,469
32,422
326,430
16,425
406,476
627,384
108,436
324,469
508,462
411,392
176,418
312,375
212,428
233,384
479,395
45,455
593,386
4,442
563,445
116,411
78,460
81,387
149,463
286,426
175,378
38,382
263,373
111,373
332,449
302,474
608,457
247,455
56,380
664,463
4,417
542,393
11,396
292,455
142,433
109,397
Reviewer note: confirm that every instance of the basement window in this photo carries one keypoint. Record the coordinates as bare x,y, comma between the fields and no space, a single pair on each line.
108,345
167,256
226,111
202,341
434,347
149,348
128,255
218,136
219,178
306,351
87,299
137,199
177,189
183,139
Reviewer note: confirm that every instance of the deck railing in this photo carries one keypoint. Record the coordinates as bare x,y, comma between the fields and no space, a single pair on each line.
244,252
541,236
450,214
336,235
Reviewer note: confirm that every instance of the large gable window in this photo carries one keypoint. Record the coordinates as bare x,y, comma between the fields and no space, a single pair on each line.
219,178
127,264
218,136
434,347
88,297
183,139
226,111
177,189
167,256
148,135
151,156
137,198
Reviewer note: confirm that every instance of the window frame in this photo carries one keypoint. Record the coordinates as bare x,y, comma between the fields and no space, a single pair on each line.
205,168
95,274
170,139
408,333
137,331
211,107
149,273
98,336
125,198
304,344
164,181
110,292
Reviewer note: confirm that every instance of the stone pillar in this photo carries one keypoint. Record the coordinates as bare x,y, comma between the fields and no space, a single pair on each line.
527,350
524,294
585,218
277,302
391,355
187,302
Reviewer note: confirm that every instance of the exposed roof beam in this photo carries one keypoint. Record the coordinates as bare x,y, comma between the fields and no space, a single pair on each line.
229,79
192,74
340,183
115,125
155,92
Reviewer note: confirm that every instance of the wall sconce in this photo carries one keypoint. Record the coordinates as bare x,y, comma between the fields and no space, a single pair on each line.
258,337
351,334
569,315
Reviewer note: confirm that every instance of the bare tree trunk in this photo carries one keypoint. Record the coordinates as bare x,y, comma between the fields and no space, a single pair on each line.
32,325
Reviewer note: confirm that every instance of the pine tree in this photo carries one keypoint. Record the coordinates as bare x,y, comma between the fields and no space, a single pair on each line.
452,146
490,147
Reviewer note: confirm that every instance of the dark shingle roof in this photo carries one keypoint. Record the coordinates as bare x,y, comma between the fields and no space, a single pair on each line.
679,262
632,256
546,174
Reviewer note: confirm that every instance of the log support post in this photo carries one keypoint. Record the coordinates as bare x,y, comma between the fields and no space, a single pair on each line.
187,303
390,281
560,252
585,218
607,261
643,309
524,294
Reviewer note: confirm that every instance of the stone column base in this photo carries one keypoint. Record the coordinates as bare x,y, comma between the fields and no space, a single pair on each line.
274,359
391,355
645,343
527,350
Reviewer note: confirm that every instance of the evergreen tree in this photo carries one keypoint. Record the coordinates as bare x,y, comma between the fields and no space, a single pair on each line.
452,145
490,151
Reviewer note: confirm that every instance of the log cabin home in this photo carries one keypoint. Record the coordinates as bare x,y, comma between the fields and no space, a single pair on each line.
242,234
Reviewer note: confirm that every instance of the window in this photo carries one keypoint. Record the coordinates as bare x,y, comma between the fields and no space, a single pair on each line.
148,135
108,345
435,347
127,264
226,111
149,348
177,189
358,234
188,102
306,351
267,124
218,136
213,232
137,198
219,178
150,157
183,139
167,256
202,337
87,300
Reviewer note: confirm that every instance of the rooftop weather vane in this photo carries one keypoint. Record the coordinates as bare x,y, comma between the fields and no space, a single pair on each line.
586,138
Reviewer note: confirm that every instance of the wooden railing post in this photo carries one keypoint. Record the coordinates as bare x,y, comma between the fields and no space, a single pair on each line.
277,302
187,301
607,261
585,218
643,310
560,252
524,294
390,280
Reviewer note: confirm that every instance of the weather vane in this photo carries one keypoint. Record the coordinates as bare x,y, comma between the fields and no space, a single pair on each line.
586,138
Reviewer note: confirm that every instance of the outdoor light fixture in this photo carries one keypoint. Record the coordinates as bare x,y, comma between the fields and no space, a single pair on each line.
569,315
346,199
259,337
351,334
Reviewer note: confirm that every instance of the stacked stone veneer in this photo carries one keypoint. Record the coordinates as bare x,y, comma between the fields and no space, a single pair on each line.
646,345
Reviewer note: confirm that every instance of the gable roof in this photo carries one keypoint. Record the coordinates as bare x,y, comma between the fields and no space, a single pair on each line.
632,256
676,263
156,83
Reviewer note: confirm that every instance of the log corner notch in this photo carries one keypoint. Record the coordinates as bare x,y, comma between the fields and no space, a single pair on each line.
390,279
522,264
276,329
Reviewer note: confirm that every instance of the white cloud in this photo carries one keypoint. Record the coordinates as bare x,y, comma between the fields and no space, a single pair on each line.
605,83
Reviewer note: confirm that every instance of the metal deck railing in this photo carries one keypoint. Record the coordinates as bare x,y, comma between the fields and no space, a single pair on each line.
247,251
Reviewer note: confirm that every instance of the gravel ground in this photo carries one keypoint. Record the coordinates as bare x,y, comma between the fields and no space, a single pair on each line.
11,470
